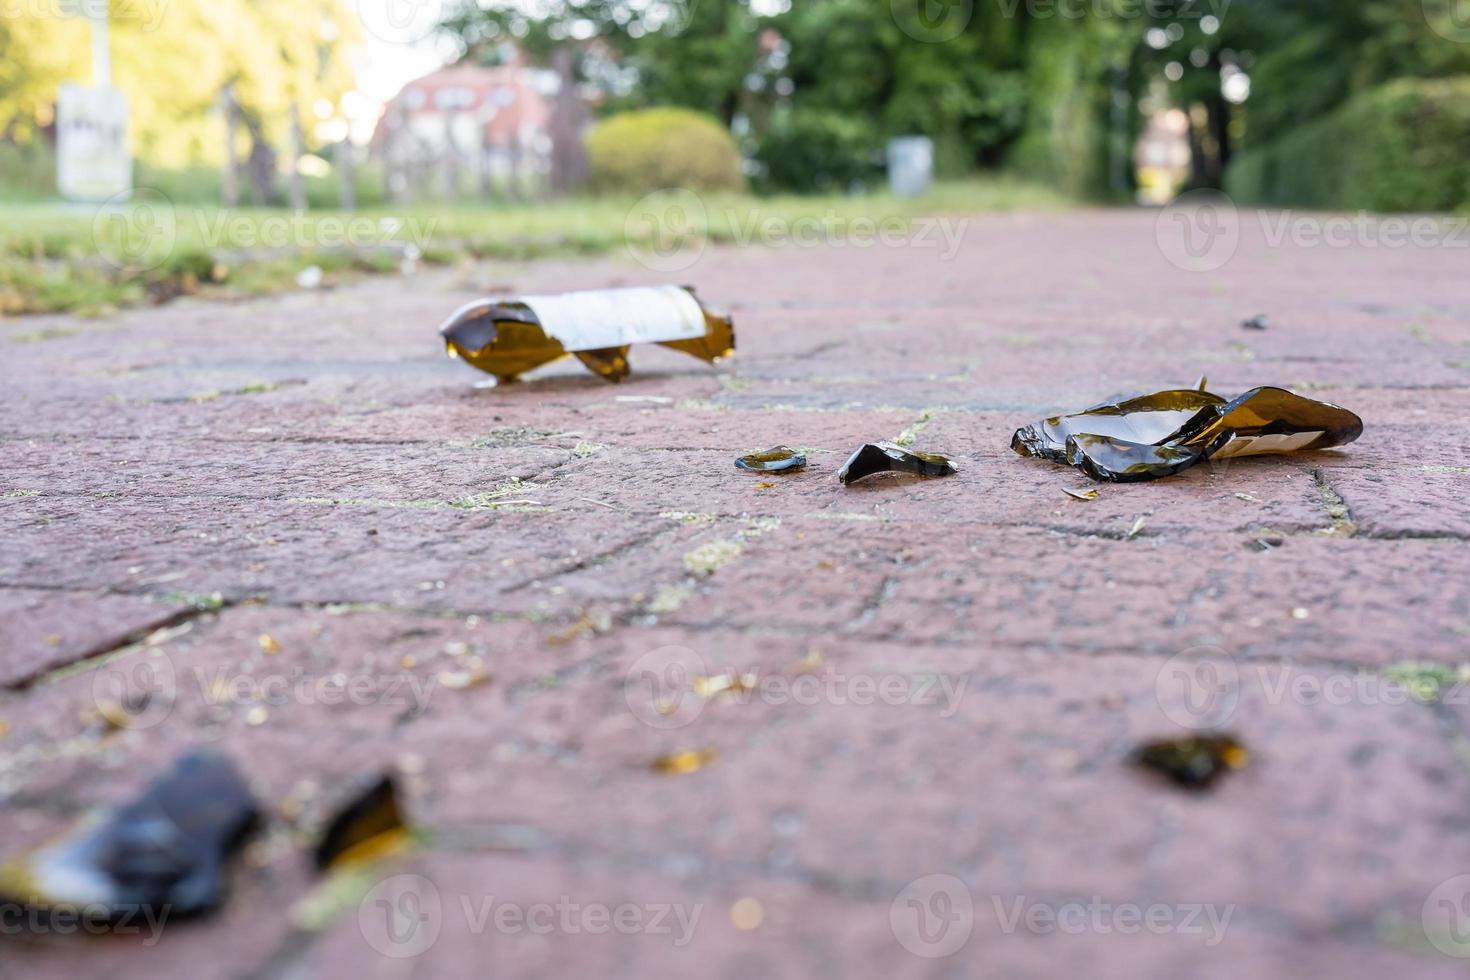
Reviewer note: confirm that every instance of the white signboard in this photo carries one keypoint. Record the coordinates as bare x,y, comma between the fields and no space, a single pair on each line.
93,162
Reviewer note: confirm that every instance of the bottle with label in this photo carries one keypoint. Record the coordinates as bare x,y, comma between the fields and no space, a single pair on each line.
507,337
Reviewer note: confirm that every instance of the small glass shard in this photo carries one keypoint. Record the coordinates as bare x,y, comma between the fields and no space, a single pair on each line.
772,460
1080,494
1258,322
1152,436
885,457
507,337
1193,763
166,851
683,763
368,827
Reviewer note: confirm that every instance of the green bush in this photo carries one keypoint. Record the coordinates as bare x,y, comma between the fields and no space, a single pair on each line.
1404,146
653,149
817,152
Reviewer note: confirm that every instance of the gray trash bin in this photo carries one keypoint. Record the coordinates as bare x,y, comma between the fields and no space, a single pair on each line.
910,165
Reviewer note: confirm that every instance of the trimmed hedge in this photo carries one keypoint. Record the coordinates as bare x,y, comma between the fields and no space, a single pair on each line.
652,149
809,151
1404,146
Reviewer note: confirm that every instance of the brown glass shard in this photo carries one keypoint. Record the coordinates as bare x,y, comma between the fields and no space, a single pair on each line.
507,337
1152,436
1195,762
772,460
369,826
165,853
885,457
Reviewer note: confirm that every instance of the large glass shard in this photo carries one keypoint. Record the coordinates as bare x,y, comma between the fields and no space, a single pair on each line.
507,337
1151,436
166,851
1193,763
885,457
369,826
772,460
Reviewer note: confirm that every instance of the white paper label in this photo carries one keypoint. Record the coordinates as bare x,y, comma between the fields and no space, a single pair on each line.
601,318
1265,445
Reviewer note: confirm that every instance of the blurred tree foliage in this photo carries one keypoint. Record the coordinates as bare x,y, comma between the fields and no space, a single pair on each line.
1037,84
173,59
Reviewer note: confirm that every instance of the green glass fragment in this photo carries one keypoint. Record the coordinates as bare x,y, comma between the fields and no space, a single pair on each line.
1152,436
885,457
772,460
1195,762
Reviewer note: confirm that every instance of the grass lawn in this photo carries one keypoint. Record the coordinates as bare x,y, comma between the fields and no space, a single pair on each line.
65,257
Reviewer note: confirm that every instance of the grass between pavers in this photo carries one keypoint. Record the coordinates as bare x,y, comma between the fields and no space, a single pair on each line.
57,257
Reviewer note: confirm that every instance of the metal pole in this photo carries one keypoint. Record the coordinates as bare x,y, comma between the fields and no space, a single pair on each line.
101,50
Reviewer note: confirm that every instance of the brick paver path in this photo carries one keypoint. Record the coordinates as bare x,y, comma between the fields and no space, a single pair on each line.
228,503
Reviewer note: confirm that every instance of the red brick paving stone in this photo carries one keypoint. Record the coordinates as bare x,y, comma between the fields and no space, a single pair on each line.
44,629
1329,843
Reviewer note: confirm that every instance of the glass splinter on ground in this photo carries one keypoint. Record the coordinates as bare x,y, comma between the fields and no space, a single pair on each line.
1193,763
885,457
368,827
772,460
507,337
1151,436
165,851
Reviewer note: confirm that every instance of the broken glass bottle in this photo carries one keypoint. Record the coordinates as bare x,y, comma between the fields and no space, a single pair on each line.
772,460
507,337
166,851
1152,436
369,825
1194,762
885,457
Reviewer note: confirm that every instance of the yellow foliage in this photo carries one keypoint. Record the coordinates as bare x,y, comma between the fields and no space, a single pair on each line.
173,57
